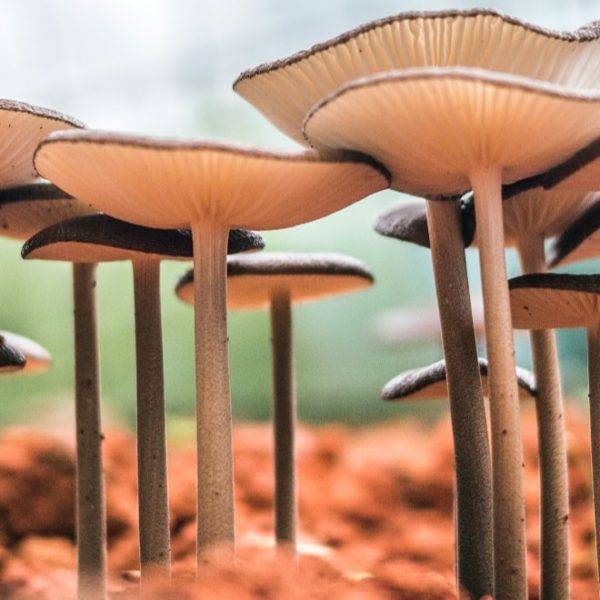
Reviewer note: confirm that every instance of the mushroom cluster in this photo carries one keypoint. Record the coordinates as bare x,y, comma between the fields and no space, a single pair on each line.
436,105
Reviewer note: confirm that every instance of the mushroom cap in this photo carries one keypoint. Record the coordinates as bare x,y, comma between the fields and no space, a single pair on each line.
37,358
449,122
11,358
579,241
553,300
284,90
171,184
580,172
23,127
100,238
429,383
536,211
407,221
27,209
252,279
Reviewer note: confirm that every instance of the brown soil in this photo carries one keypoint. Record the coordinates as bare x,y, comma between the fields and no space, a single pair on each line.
375,516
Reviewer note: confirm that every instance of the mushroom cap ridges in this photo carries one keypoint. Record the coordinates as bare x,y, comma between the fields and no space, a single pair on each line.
284,90
554,300
23,127
579,241
429,383
252,279
173,184
99,238
407,222
433,108
27,209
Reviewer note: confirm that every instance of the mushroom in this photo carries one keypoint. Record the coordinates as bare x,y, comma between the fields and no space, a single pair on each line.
99,238
430,383
275,280
530,217
37,358
549,301
210,188
468,117
474,515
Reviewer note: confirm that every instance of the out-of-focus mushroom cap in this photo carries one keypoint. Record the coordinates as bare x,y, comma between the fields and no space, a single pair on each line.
580,241
252,279
11,358
27,209
407,222
171,184
23,127
429,383
36,358
285,90
537,211
553,300
100,238
433,127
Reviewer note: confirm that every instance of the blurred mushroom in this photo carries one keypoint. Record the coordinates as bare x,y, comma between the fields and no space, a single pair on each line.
443,230
210,188
550,301
11,358
37,358
100,238
275,280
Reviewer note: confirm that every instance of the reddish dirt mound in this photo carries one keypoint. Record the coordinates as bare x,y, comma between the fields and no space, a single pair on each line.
375,516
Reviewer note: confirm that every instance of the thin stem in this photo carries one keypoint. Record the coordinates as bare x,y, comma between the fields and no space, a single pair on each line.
153,502
284,421
554,542
594,383
510,575
473,505
91,505
213,402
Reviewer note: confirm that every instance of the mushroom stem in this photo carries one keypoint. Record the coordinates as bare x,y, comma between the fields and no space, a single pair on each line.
153,503
510,573
213,402
554,543
284,421
91,506
594,383
473,505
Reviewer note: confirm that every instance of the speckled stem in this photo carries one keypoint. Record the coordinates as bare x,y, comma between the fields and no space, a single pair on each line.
510,572
594,383
91,505
284,421
554,516
473,505
213,401
153,502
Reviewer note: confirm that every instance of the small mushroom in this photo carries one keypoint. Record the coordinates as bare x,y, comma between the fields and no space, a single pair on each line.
276,280
37,358
443,230
209,188
548,301
99,238
430,383
11,358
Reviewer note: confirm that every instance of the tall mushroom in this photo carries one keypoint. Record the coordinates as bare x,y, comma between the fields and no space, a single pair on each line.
100,238
442,228
210,188
549,301
276,280
461,111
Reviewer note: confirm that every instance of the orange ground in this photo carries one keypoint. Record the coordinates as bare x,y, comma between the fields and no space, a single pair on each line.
375,515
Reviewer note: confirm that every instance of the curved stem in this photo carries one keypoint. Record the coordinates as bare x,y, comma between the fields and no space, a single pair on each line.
213,402
594,383
473,505
284,420
91,504
510,572
153,502
554,542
